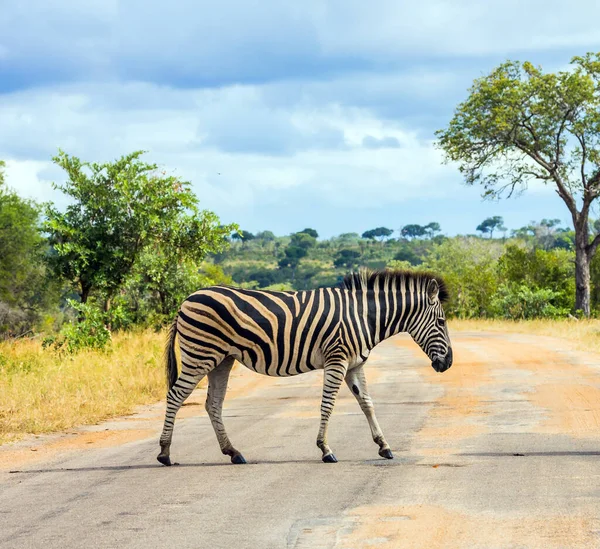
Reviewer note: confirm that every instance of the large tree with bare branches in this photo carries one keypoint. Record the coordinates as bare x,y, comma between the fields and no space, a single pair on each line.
520,124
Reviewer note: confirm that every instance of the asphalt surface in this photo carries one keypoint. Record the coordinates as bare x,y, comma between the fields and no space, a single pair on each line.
503,450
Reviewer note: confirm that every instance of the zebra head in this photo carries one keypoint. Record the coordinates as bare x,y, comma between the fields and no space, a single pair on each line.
429,329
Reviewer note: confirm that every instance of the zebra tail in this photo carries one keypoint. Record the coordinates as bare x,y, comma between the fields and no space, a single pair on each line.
170,357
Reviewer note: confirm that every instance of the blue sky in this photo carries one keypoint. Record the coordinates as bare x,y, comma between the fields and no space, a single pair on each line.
282,114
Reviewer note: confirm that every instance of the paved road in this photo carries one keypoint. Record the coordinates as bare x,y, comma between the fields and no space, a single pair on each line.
503,450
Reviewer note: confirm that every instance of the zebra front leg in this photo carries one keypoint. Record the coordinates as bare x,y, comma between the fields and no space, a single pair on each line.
176,396
333,376
217,387
357,383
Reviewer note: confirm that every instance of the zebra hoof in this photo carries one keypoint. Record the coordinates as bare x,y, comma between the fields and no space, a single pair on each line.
238,459
386,453
165,460
329,458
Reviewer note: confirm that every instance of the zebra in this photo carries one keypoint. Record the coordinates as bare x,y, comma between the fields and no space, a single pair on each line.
289,333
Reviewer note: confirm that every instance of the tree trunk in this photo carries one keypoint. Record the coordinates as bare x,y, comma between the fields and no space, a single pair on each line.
582,268
85,293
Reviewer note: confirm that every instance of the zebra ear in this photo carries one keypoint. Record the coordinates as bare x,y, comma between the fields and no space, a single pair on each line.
433,290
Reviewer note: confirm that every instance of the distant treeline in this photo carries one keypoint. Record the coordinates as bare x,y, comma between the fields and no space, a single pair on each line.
524,273
132,244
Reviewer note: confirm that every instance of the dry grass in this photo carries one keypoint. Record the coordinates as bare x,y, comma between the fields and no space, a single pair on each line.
584,333
41,392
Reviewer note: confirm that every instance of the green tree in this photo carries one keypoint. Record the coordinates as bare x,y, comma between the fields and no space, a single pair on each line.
539,269
413,231
303,240
311,232
520,124
169,263
380,232
432,229
265,236
469,266
24,292
491,224
116,209
347,258
291,259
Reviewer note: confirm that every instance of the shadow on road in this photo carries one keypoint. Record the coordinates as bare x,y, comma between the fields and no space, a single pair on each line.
158,466
532,454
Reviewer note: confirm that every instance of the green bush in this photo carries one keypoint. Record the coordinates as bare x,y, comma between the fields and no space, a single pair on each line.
91,331
521,302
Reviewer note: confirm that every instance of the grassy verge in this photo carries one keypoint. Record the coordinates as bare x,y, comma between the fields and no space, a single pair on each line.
584,333
41,392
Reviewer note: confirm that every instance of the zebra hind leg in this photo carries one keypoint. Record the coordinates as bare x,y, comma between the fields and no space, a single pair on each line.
185,384
357,383
217,387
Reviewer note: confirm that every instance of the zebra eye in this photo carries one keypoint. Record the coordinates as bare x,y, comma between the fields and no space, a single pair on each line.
441,322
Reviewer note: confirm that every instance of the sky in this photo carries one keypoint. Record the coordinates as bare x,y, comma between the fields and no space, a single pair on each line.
283,115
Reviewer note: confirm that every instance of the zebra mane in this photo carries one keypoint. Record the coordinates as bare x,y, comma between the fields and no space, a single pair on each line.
365,279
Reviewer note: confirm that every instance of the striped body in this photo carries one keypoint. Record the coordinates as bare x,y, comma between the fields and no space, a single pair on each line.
289,333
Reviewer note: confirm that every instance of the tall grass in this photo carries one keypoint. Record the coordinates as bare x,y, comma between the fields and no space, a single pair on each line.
42,392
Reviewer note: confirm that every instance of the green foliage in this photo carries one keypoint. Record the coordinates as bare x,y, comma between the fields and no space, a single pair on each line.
491,224
89,332
303,240
348,259
469,267
522,302
265,236
310,232
380,232
519,124
292,256
24,289
540,269
419,231
116,209
413,231
243,236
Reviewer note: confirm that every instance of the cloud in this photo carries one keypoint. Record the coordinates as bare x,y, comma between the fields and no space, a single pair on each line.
194,44
389,142
273,110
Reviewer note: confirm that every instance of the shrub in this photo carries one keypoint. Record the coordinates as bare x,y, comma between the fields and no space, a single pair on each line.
521,302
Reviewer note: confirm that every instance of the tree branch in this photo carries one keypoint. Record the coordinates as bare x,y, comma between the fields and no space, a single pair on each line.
583,159
563,192
591,248
558,134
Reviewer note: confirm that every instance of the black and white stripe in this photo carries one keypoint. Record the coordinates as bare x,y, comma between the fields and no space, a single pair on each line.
290,333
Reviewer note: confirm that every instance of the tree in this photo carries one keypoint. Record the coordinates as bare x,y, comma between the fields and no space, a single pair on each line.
413,231
491,224
242,236
379,232
469,267
117,209
23,288
303,240
432,229
168,265
311,232
265,236
520,124
292,257
347,258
